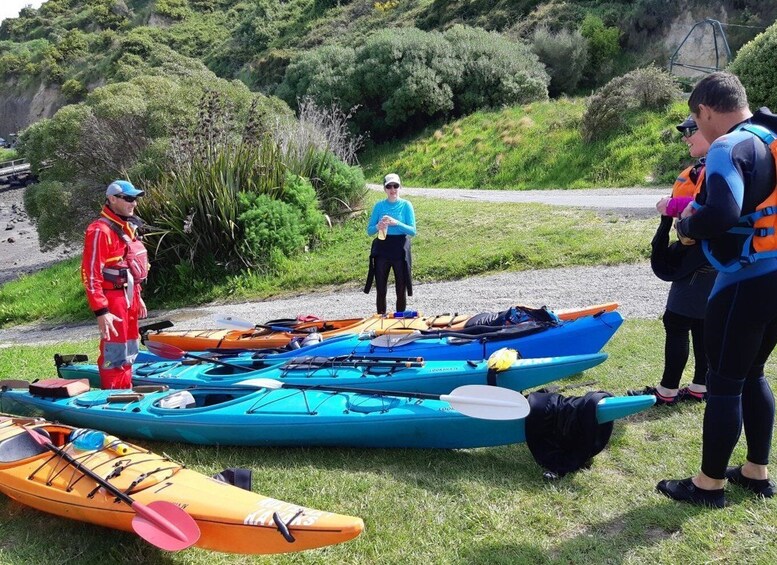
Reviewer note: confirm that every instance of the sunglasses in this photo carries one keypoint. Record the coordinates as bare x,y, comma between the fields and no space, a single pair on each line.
126,198
688,132
390,186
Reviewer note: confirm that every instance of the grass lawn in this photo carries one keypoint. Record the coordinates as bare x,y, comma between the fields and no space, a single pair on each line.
455,240
537,145
485,506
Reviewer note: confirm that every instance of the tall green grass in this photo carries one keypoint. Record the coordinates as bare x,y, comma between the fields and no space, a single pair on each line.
455,240
476,506
537,145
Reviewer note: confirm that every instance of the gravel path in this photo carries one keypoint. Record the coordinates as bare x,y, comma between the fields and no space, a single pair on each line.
632,200
640,294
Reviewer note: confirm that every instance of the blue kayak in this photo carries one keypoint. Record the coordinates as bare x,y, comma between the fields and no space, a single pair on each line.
531,339
286,417
393,374
587,334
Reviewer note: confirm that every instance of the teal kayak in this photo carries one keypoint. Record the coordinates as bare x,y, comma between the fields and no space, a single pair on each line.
409,375
287,417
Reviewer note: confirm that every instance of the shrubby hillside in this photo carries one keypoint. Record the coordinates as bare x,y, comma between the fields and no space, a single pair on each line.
75,46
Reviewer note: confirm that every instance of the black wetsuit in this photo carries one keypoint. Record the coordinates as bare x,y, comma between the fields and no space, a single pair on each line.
740,328
692,278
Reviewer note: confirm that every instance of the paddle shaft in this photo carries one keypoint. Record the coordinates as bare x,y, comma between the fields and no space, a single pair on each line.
378,358
324,388
473,400
217,362
346,363
141,509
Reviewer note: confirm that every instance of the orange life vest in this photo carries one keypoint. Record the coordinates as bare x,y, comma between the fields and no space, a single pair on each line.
685,186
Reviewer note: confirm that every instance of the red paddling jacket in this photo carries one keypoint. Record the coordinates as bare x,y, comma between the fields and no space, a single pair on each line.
104,266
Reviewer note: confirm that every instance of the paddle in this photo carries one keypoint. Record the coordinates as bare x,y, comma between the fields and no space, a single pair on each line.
167,351
477,401
239,324
311,362
160,523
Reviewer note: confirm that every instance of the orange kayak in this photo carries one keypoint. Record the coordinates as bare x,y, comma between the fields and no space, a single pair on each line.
271,338
230,519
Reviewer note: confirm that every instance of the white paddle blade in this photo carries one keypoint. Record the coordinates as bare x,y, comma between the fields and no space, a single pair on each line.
270,384
232,322
488,402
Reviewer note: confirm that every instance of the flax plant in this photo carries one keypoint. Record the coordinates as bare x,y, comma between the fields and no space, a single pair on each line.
195,206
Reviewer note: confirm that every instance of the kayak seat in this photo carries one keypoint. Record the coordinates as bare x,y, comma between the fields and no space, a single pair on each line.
59,388
19,447
180,399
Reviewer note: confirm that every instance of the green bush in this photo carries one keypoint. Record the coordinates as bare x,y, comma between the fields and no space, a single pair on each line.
73,90
754,65
497,71
404,78
603,48
269,227
609,108
175,9
235,197
298,192
326,74
73,45
49,202
564,54
340,187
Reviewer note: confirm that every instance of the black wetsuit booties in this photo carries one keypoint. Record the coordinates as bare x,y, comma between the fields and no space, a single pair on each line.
740,329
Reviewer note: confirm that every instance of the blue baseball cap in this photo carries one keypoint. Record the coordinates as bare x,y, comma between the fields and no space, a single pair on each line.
123,187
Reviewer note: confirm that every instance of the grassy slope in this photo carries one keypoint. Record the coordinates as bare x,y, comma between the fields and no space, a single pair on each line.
469,506
536,146
455,240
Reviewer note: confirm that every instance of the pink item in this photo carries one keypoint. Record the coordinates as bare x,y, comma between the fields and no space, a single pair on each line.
676,205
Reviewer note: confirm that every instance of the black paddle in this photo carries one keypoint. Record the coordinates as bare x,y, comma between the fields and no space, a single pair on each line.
172,352
160,523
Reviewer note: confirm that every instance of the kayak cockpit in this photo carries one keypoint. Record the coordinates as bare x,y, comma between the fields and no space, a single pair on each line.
19,447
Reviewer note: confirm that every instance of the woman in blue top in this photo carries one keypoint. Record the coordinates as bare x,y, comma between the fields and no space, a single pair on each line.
393,219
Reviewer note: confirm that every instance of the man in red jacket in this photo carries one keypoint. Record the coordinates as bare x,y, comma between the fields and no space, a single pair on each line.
113,267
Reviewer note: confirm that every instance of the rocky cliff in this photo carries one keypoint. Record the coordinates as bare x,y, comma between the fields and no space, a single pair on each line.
21,106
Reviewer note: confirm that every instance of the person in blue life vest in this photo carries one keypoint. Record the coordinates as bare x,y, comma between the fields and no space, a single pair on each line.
393,221
740,328
692,278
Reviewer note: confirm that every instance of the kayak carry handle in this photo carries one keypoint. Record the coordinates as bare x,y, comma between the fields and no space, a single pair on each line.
283,528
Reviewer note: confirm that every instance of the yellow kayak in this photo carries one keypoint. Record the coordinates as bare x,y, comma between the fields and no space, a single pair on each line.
230,519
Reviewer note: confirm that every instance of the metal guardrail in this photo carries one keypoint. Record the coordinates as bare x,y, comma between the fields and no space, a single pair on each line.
15,165
16,172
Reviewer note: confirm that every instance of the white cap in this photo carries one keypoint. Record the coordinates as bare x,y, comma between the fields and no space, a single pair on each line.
391,178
